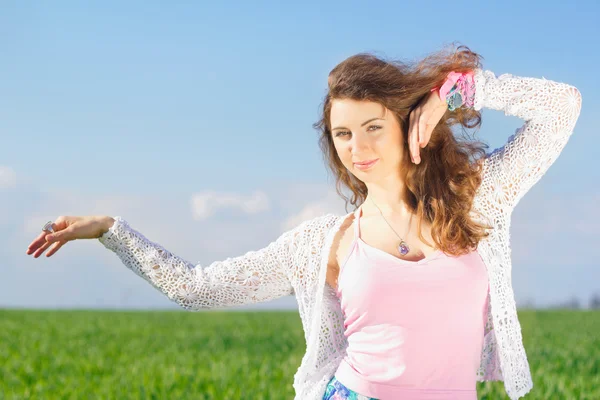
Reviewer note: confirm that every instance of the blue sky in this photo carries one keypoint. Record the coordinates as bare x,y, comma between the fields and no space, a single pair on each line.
193,122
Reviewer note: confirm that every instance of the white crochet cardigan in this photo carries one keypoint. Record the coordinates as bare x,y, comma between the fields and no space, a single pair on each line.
296,263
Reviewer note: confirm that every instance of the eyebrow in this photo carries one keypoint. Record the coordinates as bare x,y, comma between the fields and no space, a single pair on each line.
363,124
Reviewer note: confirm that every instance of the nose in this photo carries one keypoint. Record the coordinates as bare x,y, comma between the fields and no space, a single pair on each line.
358,142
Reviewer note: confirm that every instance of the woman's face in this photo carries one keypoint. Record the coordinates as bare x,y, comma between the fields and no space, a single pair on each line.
365,131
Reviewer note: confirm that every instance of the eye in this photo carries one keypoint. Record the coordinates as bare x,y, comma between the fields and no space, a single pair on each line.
375,128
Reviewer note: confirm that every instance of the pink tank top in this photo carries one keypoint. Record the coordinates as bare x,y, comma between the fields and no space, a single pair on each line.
414,328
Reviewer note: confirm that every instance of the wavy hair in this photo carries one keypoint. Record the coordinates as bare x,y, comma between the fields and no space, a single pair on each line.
441,188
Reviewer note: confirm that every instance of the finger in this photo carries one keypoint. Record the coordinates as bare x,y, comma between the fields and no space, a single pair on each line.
429,129
421,139
39,240
418,123
36,243
427,137
422,133
435,117
55,248
413,135
39,251
410,132
64,235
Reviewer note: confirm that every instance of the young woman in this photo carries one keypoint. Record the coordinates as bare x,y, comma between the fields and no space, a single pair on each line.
409,296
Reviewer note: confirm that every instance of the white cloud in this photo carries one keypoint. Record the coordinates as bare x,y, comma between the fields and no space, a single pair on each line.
84,274
63,202
331,203
8,177
207,203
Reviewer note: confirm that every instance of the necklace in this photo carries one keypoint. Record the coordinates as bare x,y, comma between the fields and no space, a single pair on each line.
403,246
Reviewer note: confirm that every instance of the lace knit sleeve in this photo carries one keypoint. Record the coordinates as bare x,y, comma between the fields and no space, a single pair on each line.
253,277
550,110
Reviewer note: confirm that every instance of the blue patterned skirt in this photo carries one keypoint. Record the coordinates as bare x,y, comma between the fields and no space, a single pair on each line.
337,391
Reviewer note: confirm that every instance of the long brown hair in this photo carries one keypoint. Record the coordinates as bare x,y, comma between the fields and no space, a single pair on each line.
440,189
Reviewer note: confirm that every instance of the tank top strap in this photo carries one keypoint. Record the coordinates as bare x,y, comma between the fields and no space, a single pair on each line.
354,242
356,223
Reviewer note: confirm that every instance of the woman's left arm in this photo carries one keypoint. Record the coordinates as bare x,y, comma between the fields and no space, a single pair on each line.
550,110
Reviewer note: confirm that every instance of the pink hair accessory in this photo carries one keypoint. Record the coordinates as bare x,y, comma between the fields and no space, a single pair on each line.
458,90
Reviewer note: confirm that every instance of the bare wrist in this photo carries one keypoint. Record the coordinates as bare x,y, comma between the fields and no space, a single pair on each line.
107,223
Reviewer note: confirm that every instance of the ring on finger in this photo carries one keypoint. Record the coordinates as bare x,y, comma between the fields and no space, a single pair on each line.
48,227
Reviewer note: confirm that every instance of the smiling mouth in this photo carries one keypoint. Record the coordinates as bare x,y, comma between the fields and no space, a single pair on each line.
365,164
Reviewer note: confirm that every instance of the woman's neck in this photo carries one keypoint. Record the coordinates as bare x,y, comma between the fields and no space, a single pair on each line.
387,206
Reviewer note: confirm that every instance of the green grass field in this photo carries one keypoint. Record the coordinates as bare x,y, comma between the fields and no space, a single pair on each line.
234,355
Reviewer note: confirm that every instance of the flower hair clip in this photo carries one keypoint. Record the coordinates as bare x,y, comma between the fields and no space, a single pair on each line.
458,90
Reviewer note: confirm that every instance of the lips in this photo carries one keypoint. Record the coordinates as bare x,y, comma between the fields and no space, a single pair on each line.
366,162
363,165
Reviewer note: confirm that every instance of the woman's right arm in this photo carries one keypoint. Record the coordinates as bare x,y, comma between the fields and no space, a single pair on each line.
254,277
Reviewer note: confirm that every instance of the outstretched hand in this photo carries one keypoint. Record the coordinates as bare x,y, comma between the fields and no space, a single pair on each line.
67,228
422,119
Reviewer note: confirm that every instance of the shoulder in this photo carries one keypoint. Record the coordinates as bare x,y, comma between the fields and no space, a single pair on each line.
319,225
313,231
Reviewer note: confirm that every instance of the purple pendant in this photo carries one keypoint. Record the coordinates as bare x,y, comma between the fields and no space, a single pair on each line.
403,248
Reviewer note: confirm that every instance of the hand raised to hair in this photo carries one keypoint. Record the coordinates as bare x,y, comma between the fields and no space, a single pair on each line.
422,119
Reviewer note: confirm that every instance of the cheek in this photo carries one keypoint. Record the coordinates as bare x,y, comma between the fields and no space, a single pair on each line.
397,139
342,152
390,144
392,149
